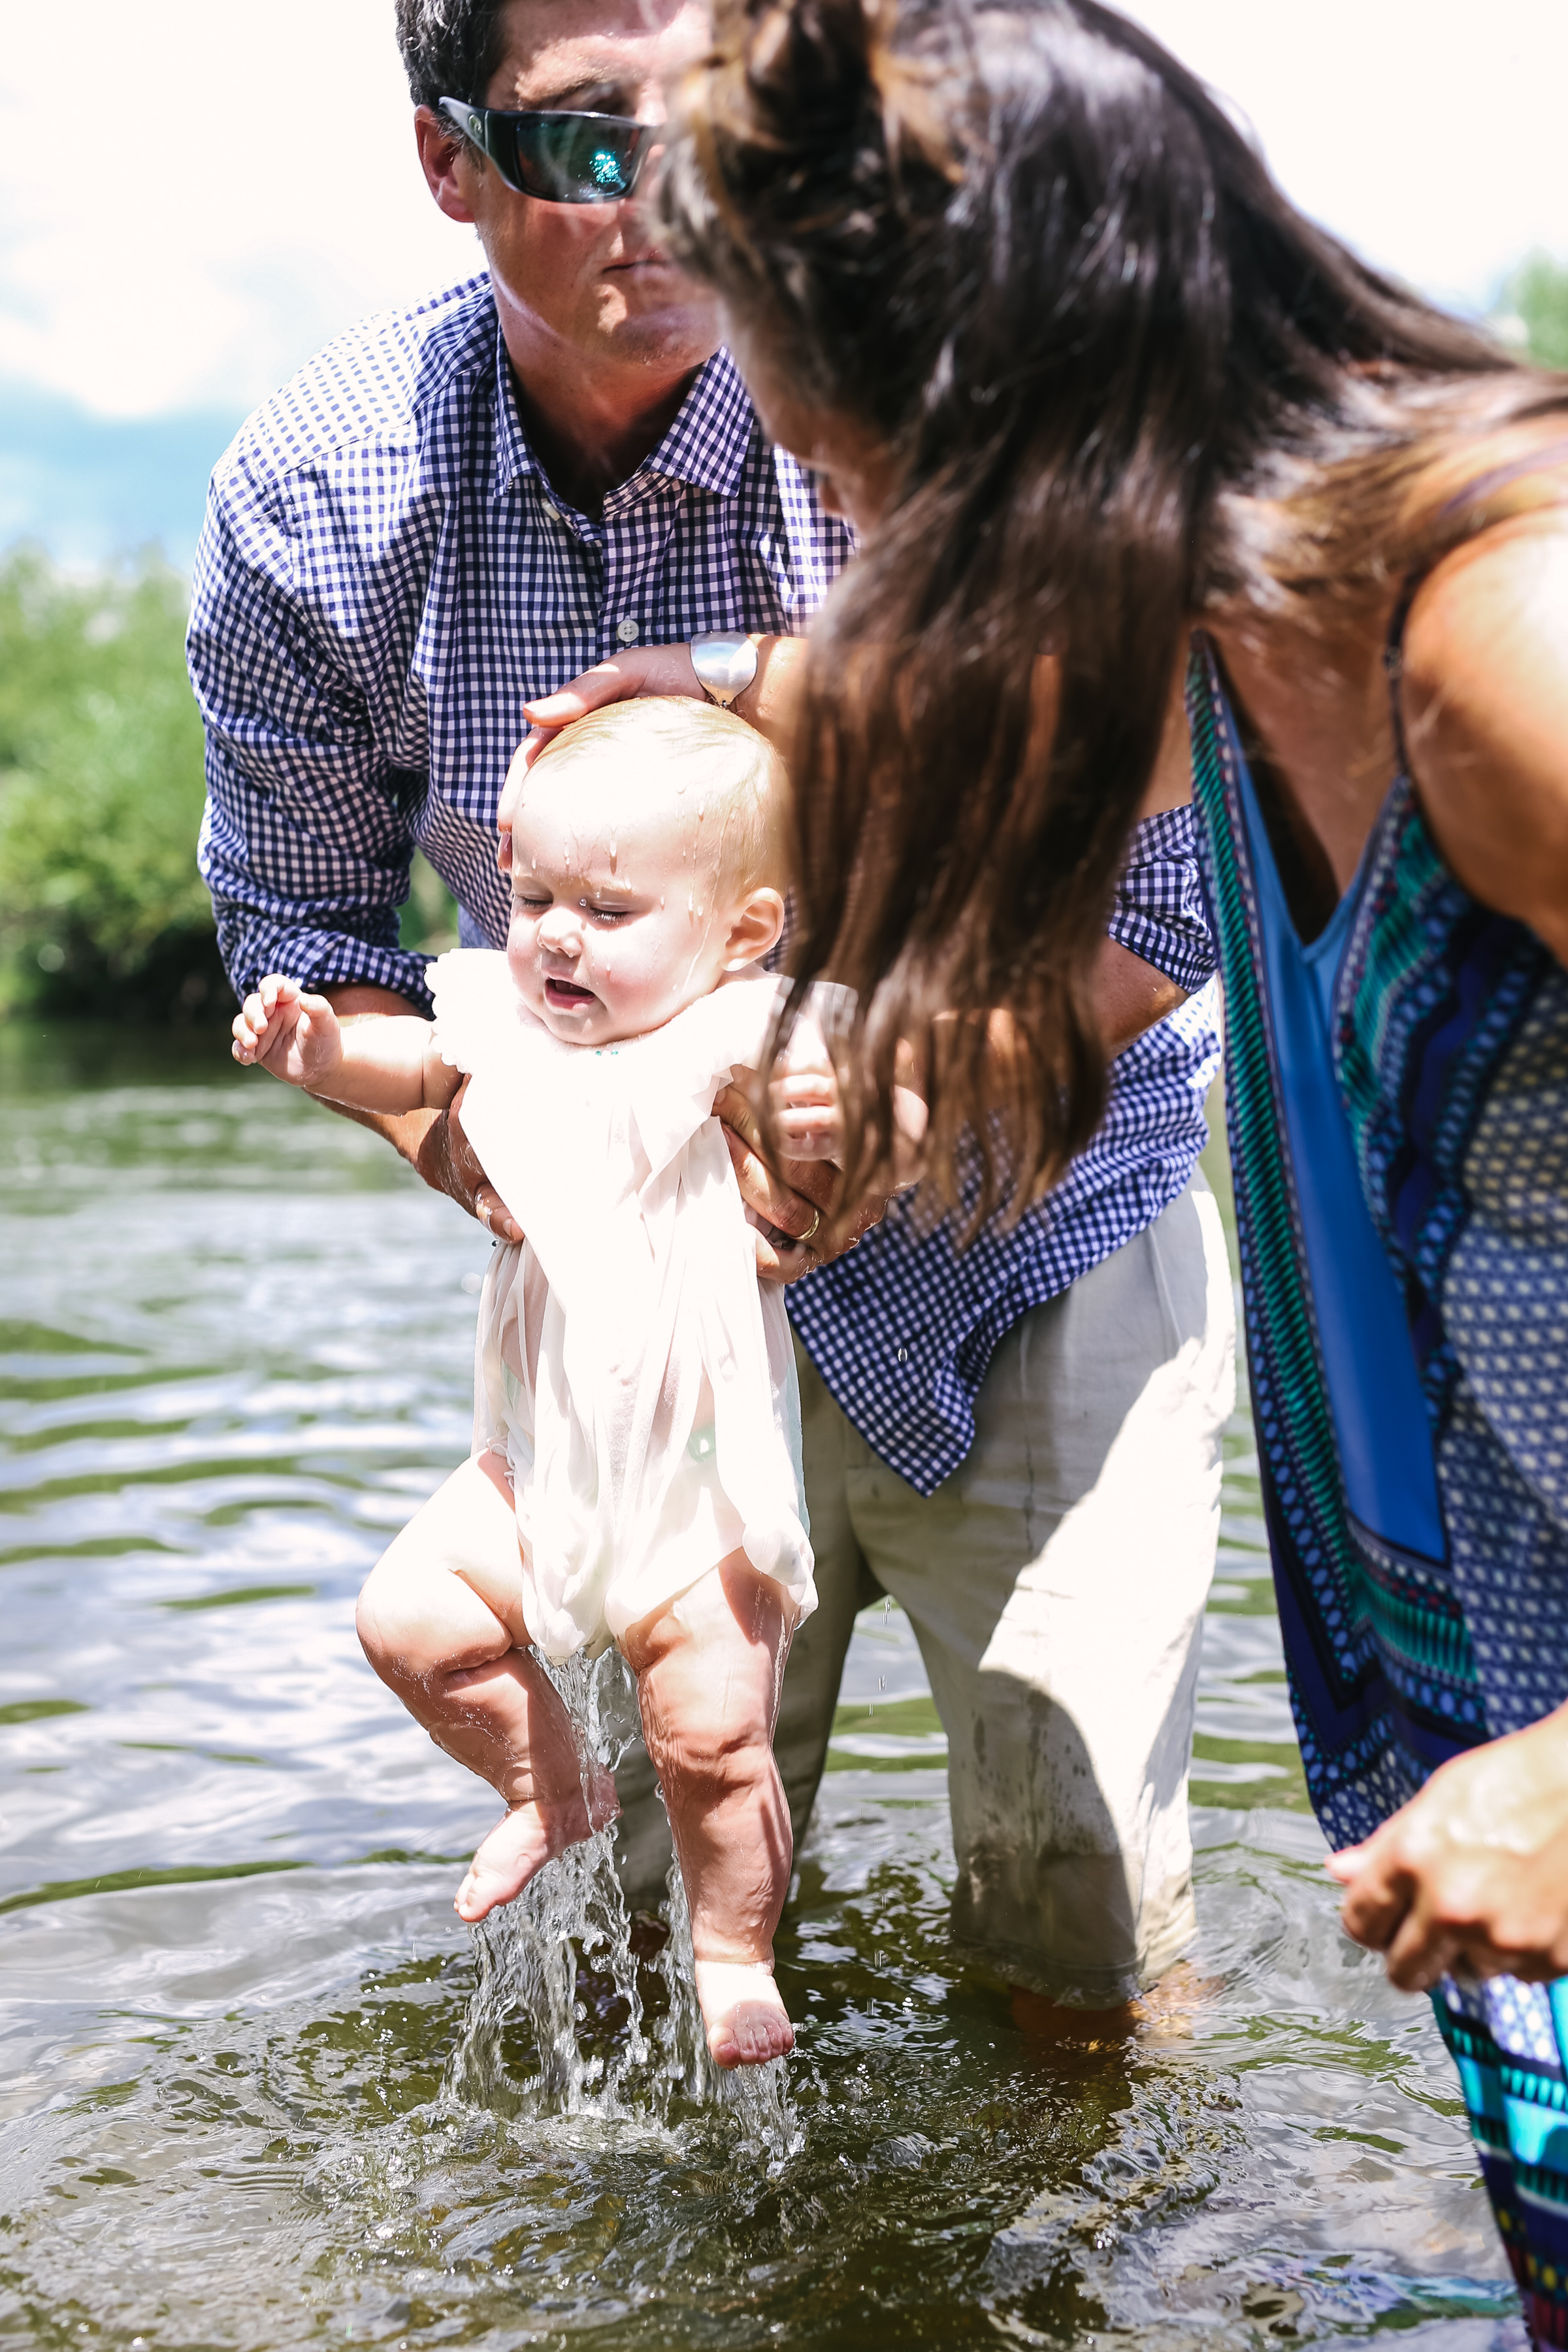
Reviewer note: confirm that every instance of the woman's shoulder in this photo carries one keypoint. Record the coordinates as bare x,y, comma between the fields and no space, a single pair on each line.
1484,691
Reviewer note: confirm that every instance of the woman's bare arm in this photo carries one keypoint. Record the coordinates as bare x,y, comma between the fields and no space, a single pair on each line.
1486,713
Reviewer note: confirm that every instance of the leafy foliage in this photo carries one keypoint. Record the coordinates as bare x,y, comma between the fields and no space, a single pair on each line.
101,909
101,796
1537,295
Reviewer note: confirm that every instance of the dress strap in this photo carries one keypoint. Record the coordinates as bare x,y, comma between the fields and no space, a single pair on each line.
1538,461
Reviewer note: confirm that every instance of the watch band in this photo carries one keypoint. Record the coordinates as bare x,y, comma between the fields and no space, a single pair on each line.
725,661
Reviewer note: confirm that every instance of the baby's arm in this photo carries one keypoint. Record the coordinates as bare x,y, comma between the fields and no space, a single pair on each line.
385,1064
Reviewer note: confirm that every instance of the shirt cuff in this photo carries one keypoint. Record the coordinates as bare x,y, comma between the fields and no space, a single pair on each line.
1160,912
317,960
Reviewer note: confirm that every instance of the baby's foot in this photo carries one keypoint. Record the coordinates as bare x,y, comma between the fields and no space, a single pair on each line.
523,1840
746,2021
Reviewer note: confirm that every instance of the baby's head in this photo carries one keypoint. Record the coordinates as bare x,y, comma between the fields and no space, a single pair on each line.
649,858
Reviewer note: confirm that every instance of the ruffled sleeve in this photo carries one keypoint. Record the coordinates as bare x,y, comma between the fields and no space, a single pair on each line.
678,1069
475,1007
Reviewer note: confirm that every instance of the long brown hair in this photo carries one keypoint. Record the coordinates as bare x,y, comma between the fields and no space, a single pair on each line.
1120,377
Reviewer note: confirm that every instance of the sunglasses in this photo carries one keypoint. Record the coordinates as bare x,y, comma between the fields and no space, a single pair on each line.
559,157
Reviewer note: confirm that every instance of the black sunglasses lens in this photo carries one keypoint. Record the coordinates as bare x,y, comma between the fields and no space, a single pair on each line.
575,159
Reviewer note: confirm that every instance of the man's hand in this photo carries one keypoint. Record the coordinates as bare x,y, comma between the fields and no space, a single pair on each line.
1474,1870
298,1037
645,669
767,704
793,1203
443,1157
432,1141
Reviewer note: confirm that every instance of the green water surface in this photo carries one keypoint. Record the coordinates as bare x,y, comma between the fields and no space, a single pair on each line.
235,2111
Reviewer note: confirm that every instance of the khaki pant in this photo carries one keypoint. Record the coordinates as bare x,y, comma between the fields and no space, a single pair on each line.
1055,1584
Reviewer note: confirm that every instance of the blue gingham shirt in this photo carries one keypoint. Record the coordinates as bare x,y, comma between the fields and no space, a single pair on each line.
386,576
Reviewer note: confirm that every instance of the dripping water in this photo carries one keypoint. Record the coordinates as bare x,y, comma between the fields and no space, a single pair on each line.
528,1955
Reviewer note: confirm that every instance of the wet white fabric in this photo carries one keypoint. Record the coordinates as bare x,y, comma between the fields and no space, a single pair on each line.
639,1380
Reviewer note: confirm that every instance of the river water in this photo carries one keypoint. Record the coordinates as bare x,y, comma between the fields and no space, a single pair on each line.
253,2094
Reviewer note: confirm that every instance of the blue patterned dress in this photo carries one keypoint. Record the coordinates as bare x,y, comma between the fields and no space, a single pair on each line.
1397,1099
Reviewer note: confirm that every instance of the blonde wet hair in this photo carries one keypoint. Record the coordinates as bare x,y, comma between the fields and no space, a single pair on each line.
732,775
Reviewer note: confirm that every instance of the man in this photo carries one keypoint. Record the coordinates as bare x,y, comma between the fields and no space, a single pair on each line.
455,512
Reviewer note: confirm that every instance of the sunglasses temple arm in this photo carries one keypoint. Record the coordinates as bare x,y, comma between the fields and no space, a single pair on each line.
474,123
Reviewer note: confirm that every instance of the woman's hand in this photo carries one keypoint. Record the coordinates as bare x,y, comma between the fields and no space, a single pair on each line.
1474,1870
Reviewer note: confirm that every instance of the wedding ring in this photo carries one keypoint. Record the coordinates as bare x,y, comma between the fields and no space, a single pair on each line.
811,1231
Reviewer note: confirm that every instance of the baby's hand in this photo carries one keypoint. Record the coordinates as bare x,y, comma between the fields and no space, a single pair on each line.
295,1036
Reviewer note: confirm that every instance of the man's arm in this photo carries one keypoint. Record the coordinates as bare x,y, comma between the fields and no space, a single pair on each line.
306,843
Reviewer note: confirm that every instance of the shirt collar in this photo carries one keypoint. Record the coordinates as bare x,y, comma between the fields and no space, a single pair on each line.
705,446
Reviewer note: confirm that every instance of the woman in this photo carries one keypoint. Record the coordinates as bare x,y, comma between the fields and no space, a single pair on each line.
1087,384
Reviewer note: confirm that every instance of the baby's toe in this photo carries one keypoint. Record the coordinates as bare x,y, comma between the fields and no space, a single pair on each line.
746,2021
751,2035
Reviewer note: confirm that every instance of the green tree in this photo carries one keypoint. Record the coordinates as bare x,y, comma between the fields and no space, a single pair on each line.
1537,297
101,909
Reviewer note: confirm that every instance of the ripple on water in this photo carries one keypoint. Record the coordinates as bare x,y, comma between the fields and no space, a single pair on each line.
263,2088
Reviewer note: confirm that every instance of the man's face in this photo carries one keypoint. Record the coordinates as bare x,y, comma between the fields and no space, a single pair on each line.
589,279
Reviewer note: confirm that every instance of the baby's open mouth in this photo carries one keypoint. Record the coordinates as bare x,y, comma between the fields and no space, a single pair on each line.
565,996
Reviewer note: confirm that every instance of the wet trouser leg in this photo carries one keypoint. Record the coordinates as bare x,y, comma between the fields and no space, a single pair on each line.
1055,1584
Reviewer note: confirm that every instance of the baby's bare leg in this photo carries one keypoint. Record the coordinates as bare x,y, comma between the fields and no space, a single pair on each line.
707,1672
440,1620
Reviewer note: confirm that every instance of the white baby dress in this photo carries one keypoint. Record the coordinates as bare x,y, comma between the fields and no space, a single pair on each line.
637,1376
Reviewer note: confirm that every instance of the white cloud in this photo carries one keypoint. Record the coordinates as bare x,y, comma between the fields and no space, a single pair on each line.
194,197
1427,134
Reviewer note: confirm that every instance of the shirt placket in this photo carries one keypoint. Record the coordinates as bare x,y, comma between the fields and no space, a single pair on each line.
637,524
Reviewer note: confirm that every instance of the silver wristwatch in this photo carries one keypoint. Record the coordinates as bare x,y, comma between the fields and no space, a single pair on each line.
725,662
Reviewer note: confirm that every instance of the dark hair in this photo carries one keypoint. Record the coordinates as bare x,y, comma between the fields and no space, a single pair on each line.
1030,250
450,48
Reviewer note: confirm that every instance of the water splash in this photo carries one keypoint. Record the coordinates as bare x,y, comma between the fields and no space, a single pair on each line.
756,2098
528,1955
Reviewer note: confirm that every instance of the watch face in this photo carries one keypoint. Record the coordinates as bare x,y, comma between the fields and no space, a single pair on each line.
725,665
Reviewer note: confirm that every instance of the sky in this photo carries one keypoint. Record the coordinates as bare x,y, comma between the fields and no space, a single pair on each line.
237,185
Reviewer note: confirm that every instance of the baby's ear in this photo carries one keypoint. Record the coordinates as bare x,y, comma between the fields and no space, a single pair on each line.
754,928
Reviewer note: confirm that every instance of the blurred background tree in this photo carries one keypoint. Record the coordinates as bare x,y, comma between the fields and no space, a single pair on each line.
101,796
1533,310
101,909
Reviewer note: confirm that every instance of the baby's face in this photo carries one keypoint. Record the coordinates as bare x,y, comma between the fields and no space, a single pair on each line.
615,927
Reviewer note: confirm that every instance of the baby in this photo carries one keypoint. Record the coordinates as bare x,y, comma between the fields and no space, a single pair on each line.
635,1470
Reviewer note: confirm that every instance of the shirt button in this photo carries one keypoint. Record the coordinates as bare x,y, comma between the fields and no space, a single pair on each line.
903,1355
626,631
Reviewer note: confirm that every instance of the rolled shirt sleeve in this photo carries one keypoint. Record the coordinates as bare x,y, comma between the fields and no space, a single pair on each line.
1160,912
307,837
